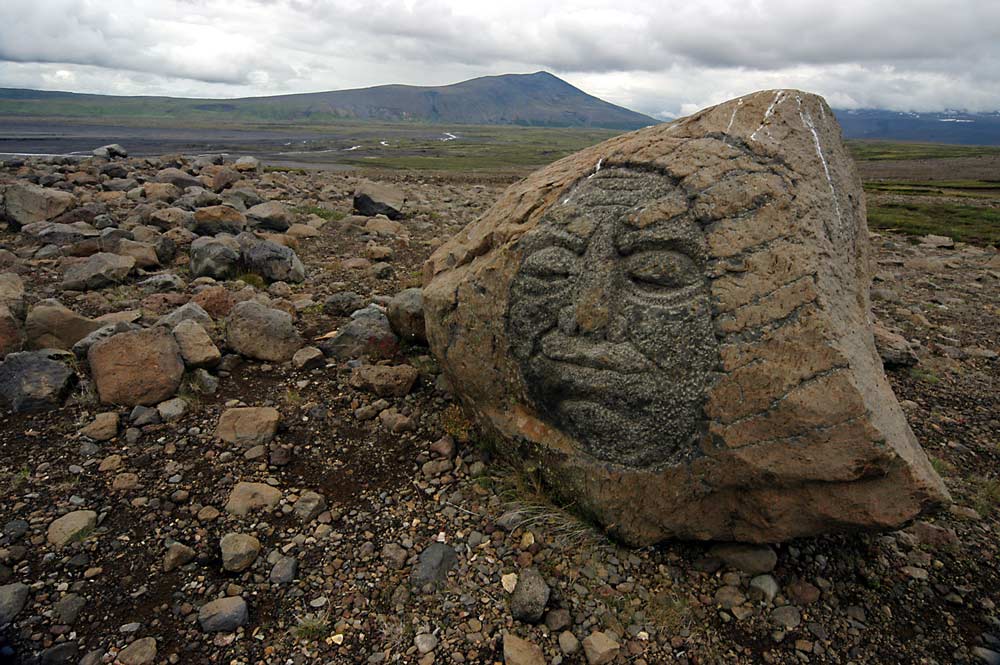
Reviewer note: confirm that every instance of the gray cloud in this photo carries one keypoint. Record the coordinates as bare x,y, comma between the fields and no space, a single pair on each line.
663,58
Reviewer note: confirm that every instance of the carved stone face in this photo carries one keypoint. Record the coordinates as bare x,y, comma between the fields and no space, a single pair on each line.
610,321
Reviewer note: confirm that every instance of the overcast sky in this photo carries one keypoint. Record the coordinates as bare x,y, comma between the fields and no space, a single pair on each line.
661,57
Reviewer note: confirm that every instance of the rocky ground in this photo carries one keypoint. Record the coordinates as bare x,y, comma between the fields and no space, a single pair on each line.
235,448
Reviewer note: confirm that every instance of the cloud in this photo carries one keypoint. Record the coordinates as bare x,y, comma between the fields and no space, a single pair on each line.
661,58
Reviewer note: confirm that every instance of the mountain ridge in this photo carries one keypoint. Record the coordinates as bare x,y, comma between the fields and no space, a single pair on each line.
536,99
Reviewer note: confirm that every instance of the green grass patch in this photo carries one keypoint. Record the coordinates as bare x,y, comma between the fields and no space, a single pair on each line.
924,375
865,150
252,279
319,211
987,498
973,189
965,223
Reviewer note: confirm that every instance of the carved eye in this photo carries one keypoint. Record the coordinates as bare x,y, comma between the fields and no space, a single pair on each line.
551,264
662,269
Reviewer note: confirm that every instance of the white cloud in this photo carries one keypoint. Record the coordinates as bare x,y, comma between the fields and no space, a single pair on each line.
663,58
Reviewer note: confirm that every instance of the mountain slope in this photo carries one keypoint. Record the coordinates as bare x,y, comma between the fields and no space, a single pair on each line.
538,99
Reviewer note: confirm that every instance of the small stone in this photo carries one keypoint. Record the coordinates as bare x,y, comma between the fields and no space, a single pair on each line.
425,642
68,608
750,559
172,409
787,617
309,357
763,587
104,427
247,497
729,597
140,652
309,506
72,526
435,562
178,554
224,615
12,600
517,651
239,551
530,596
394,555
600,648
248,426
568,643
558,619
284,570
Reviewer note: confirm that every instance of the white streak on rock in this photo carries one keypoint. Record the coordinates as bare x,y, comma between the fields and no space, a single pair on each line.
596,168
739,103
808,122
778,98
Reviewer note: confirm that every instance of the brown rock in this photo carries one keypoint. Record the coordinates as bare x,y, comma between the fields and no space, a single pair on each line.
248,426
195,345
675,325
25,203
215,300
141,367
517,651
50,325
260,332
385,380
248,497
104,427
218,219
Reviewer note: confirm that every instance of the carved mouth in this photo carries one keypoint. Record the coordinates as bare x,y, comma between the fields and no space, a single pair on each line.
621,358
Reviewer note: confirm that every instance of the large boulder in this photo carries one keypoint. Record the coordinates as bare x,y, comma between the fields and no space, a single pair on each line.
272,215
218,219
141,367
52,325
406,314
35,380
97,271
375,198
25,203
673,327
273,262
257,331
217,258
367,334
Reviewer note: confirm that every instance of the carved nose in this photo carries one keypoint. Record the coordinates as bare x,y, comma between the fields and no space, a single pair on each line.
592,309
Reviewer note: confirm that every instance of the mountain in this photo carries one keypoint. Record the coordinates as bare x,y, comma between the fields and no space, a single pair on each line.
538,99
945,127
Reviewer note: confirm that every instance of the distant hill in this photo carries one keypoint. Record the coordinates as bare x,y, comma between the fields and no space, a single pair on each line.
946,127
538,99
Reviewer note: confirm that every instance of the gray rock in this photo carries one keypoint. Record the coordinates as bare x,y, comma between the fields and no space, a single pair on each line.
12,600
309,506
600,648
370,336
99,270
284,570
140,652
110,151
372,199
57,233
223,616
177,178
406,315
35,380
178,554
309,357
787,617
63,654
239,551
80,348
763,587
172,409
272,216
68,608
568,643
162,283
435,562
425,642
24,203
273,262
260,332
71,527
343,303
987,656
191,311
530,596
217,258
144,415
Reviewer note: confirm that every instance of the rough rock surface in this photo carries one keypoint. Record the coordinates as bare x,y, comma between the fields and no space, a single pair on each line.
142,367
675,325
261,332
371,198
35,380
24,203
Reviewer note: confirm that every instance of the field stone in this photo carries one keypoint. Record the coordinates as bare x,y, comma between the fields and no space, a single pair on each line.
172,409
263,333
71,526
284,570
251,497
786,617
406,315
270,215
25,203
385,380
370,336
273,262
433,565
12,600
197,347
189,311
249,425
35,380
81,348
52,325
530,596
518,651
177,555
140,652
142,367
239,551
67,609
216,257
600,648
689,420
568,643
309,357
763,587
103,427
371,198
309,506
224,615
97,271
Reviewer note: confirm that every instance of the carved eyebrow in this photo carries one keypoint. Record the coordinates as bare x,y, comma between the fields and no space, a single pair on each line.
551,237
669,237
